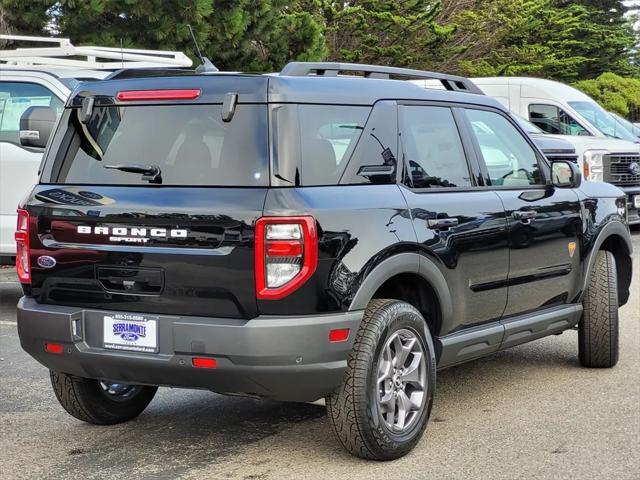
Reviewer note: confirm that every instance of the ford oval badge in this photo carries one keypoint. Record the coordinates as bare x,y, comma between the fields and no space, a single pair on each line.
46,261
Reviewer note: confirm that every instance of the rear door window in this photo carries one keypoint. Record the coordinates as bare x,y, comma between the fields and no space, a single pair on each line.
433,150
189,143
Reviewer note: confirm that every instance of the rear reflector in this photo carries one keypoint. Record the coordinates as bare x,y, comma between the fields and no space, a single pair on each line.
182,94
23,251
200,362
56,348
338,335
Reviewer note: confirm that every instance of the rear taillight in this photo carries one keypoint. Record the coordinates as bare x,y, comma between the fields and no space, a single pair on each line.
286,255
23,262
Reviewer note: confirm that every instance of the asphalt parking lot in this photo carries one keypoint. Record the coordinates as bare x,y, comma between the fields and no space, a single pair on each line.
529,412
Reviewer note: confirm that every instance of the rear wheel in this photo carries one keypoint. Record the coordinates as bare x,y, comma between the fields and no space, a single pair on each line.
382,407
598,329
100,403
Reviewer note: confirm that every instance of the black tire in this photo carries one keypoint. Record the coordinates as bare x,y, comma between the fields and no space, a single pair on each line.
87,400
353,409
598,329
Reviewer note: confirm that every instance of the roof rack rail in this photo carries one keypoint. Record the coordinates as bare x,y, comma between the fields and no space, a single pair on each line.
331,69
65,54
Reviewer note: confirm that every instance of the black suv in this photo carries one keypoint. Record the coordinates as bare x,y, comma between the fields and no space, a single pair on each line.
326,232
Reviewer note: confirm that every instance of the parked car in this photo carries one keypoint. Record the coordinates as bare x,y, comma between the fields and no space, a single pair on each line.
554,147
45,80
305,235
606,151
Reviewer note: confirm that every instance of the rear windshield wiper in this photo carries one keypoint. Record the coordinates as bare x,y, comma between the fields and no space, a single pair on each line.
150,173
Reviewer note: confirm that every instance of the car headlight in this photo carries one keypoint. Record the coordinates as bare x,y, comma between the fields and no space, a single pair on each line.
593,165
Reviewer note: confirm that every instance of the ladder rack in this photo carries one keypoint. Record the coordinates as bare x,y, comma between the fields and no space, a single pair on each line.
65,54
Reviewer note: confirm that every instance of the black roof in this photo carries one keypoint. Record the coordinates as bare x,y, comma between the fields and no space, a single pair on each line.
297,83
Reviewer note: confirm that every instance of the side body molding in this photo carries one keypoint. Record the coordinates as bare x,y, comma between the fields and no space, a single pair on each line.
404,263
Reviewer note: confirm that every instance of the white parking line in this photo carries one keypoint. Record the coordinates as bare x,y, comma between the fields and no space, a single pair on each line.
4,322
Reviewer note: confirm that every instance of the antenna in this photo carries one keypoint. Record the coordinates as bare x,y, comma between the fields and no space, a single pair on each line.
121,53
206,65
195,42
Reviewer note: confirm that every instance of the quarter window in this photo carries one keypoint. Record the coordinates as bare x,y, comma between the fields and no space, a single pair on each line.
433,152
509,158
15,98
554,120
327,137
314,142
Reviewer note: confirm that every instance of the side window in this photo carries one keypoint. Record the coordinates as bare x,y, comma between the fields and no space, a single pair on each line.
374,158
433,152
314,142
552,119
510,160
15,98
328,134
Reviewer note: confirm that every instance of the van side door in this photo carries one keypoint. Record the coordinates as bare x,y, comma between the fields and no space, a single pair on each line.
545,223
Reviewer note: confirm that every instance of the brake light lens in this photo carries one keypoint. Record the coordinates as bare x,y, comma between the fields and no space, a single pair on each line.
179,94
286,255
23,261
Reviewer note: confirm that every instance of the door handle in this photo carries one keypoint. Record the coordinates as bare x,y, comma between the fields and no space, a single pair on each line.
524,215
442,223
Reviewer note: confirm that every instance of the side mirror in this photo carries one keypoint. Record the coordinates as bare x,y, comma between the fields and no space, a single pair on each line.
36,125
565,174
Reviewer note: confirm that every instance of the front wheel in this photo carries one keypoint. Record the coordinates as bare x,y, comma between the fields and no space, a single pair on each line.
100,403
598,329
382,407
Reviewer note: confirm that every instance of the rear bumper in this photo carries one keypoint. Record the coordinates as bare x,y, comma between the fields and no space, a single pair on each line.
633,212
284,358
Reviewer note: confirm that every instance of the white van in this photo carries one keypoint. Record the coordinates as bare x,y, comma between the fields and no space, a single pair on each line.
606,150
44,78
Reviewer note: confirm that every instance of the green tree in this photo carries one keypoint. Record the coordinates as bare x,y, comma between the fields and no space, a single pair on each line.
535,37
18,17
379,31
234,34
614,93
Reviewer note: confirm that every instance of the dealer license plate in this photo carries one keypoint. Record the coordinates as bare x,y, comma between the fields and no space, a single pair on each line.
129,331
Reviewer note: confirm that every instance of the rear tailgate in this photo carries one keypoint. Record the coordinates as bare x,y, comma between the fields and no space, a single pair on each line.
145,250
181,243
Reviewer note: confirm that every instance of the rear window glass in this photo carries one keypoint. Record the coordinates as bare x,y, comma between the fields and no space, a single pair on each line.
190,144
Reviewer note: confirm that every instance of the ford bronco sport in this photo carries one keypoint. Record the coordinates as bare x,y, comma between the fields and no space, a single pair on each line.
326,232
